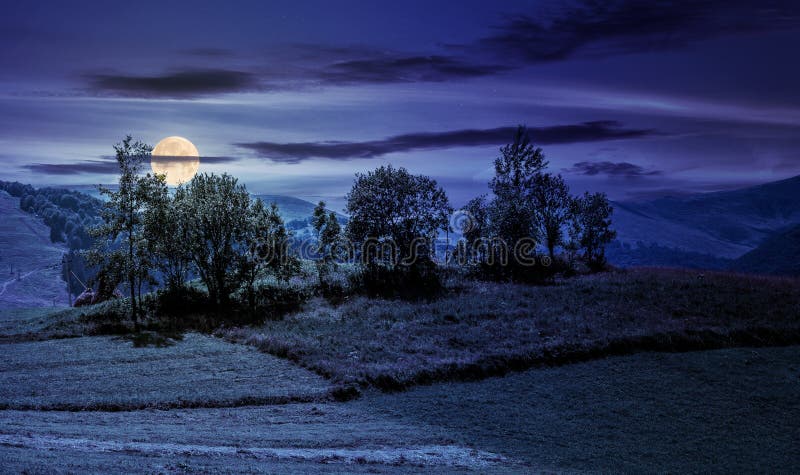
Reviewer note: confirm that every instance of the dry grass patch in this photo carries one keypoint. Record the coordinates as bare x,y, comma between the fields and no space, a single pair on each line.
481,329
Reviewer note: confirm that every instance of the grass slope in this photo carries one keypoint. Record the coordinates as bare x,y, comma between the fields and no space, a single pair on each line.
25,245
487,329
103,373
778,255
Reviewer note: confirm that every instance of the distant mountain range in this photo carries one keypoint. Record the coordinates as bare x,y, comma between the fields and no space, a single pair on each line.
711,230
290,208
293,209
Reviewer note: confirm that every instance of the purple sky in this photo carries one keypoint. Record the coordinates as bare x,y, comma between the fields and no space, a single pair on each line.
633,98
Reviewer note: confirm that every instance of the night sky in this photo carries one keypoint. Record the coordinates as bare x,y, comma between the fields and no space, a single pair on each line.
638,99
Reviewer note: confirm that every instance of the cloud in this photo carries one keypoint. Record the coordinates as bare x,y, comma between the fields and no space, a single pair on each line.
403,69
296,152
180,84
100,167
106,165
592,28
612,169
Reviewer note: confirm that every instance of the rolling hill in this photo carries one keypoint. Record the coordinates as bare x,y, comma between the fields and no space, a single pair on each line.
779,254
30,265
291,208
724,225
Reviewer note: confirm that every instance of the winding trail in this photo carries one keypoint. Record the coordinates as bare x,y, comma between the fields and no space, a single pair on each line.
22,277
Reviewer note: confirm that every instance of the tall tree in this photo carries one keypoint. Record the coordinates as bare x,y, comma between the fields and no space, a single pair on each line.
328,231
395,216
167,228
329,240
551,201
124,248
265,247
513,211
590,229
219,208
473,230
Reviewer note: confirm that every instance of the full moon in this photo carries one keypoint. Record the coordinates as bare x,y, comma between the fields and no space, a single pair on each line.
177,158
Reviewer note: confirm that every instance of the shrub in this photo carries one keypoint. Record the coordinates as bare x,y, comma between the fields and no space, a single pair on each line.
274,297
420,281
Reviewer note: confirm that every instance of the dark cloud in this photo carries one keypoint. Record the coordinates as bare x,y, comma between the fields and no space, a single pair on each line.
594,28
180,84
376,69
338,150
613,169
101,167
106,165
403,69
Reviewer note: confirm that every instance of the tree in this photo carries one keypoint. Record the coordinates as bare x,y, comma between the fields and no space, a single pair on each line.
551,201
218,207
395,216
590,227
167,230
474,228
329,240
329,233
265,245
512,212
123,252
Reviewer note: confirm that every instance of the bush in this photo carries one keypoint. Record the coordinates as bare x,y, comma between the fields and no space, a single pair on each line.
178,302
420,281
275,298
334,284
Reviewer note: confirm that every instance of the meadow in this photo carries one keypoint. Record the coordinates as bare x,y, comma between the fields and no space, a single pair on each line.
480,329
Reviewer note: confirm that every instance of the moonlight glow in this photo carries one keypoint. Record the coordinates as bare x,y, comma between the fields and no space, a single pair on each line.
177,158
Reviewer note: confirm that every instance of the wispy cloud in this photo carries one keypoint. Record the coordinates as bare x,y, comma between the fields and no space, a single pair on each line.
592,28
404,69
106,165
295,152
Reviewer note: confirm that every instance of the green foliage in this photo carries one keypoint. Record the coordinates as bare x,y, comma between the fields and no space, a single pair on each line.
167,231
552,201
219,207
275,297
329,248
590,228
513,213
265,248
394,219
122,250
532,209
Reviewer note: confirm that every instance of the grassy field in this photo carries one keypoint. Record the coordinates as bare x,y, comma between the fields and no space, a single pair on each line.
483,329
720,411
723,411
106,373
25,245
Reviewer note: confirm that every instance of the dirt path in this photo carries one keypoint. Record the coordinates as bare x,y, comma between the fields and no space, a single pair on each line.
22,277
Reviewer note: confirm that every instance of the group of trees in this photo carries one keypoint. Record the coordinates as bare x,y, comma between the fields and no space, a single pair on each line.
531,209
212,229
209,227
68,214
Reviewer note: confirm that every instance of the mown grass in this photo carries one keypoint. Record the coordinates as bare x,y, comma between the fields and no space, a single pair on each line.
482,329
